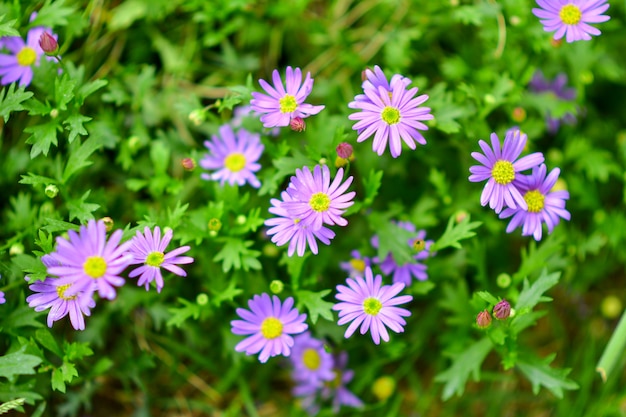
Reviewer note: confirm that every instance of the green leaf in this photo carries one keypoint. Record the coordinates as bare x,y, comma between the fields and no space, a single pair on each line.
235,253
42,137
175,217
372,185
64,90
227,294
455,233
392,239
54,225
53,14
74,123
11,405
537,257
65,373
181,314
314,302
11,100
18,363
45,339
539,373
488,297
80,209
78,158
532,295
89,88
76,350
35,180
463,364
294,267
6,28
160,156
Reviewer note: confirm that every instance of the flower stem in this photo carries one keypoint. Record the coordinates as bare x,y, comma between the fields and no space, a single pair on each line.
614,349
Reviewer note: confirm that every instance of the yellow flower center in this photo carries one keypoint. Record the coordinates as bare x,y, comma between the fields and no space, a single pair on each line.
235,162
357,264
503,172
570,14
271,328
95,266
288,104
319,202
26,57
372,306
155,258
311,359
535,200
61,292
390,115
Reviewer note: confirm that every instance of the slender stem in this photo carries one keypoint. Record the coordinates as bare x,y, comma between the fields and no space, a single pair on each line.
614,350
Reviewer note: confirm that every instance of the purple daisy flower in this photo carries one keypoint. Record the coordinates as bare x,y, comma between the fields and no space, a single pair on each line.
317,201
148,249
288,228
570,18
337,388
87,258
284,104
2,298
53,294
376,78
312,365
18,66
234,156
558,87
270,325
355,267
500,166
368,303
544,205
391,114
404,273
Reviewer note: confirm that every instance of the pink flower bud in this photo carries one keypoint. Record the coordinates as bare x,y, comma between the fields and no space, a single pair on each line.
49,45
502,310
483,320
188,163
344,150
297,124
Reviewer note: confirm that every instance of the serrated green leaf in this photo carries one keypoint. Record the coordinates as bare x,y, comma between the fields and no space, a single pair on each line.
235,254
227,294
45,339
53,14
80,209
34,179
42,137
539,373
6,28
463,365
11,100
454,233
11,405
181,314
57,382
372,184
76,350
314,303
74,123
18,363
54,225
89,88
488,297
78,158
64,90
392,239
531,295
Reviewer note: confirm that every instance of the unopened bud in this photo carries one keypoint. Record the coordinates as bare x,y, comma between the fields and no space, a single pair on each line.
297,124
460,216
48,44
419,245
197,116
270,250
515,20
241,219
51,190
188,163
518,114
202,299
323,161
502,310
364,75
340,162
134,143
384,387
503,280
344,150
611,307
54,113
16,249
214,225
556,42
483,320
276,286
108,223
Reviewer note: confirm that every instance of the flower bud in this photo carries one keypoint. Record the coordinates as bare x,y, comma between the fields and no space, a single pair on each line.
188,163
384,387
340,162
297,124
48,44
276,286
270,250
202,299
344,150
16,249
483,320
51,190
108,223
214,225
54,113
197,116
419,245
518,114
241,219
502,310
503,280
460,215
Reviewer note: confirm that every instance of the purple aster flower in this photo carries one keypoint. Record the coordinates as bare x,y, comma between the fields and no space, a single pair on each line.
570,18
376,78
269,324
558,87
317,201
242,112
390,113
88,258
53,294
337,388
282,104
368,303
312,365
355,267
18,65
148,249
543,205
2,299
234,156
288,228
404,273
500,166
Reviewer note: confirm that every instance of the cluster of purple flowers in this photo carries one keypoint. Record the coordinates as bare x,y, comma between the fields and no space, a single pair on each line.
88,264
558,87
310,201
529,199
17,65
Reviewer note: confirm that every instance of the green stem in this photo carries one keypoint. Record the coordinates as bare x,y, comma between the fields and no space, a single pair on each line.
614,350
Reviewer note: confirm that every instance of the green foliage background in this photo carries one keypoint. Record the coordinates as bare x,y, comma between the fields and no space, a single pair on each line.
110,131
